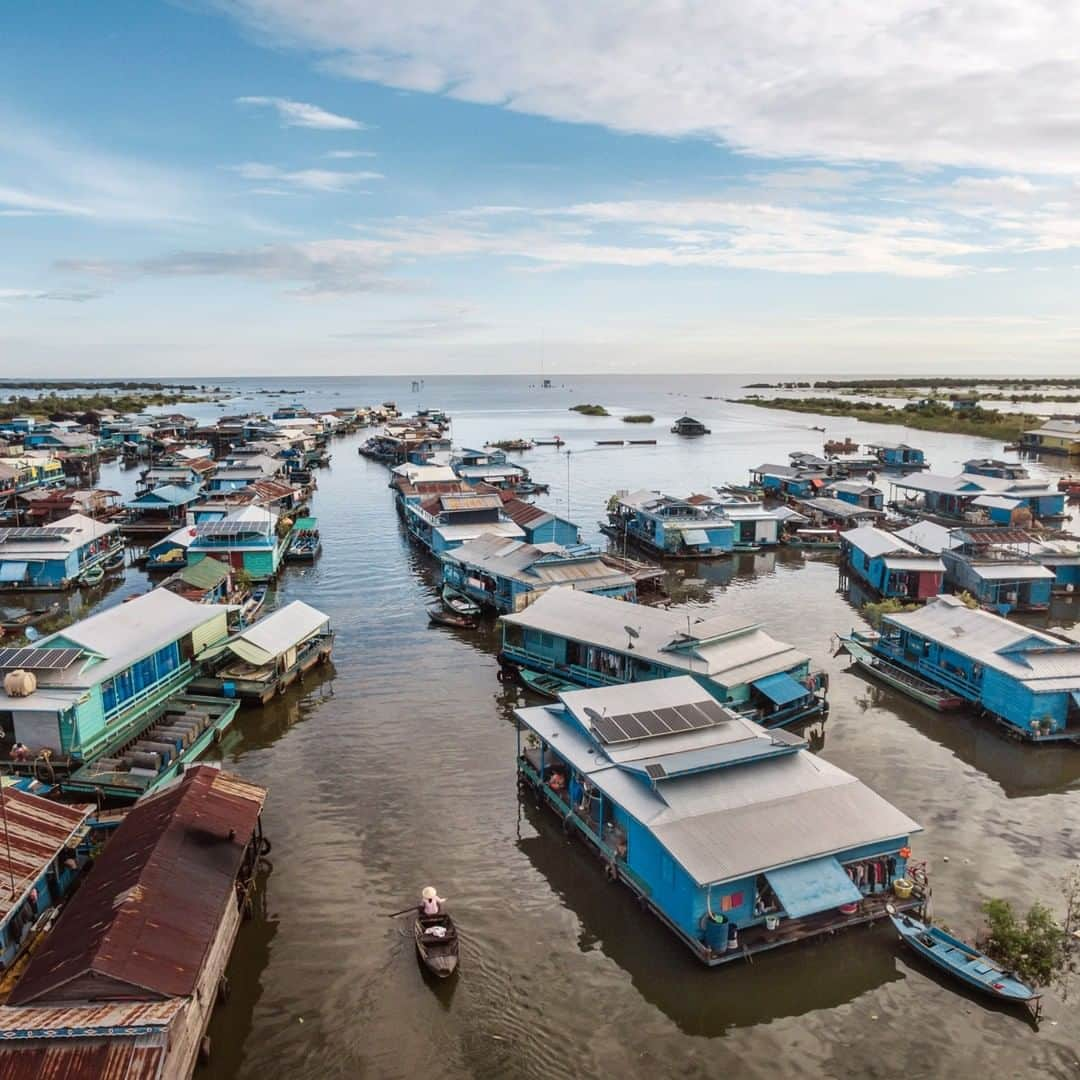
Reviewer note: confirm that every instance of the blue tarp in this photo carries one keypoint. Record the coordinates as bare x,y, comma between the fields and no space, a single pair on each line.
781,689
12,571
810,887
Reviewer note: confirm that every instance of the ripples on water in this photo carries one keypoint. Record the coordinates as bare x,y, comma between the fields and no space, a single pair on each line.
396,769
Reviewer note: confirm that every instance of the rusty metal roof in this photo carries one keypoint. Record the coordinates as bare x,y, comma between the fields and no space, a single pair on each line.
148,912
37,829
522,512
48,1059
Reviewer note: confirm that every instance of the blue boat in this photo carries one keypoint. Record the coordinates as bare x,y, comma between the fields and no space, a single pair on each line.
965,962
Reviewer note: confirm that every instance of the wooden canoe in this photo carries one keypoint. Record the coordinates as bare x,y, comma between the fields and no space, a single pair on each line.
899,679
459,603
439,614
437,944
549,686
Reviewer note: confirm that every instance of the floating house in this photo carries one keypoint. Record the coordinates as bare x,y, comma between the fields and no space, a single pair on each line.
505,477
789,481
161,508
595,641
55,556
996,566
737,838
508,575
856,493
1063,558
104,683
898,456
446,521
688,426
126,982
541,526
991,498
1027,680
246,539
755,525
670,527
269,656
891,567
825,511
1002,470
45,847
929,537
207,582
1055,437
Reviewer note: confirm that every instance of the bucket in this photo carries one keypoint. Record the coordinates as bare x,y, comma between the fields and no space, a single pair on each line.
772,922
903,888
716,933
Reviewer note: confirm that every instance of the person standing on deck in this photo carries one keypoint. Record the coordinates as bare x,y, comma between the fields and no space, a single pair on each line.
431,902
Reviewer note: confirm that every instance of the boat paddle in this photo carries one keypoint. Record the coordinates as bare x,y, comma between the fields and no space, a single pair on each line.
403,911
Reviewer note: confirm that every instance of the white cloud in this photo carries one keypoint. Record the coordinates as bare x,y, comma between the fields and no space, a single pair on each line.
71,296
327,180
301,114
984,83
347,154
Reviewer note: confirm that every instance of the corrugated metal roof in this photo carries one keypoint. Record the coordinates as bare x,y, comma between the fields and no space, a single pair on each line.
62,1021
148,912
285,628
36,830
875,542
115,1059
525,513
1010,571
915,564
206,574
930,537
454,503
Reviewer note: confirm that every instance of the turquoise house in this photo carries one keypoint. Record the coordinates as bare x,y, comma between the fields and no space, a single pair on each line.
736,838
508,575
246,540
55,556
596,641
670,527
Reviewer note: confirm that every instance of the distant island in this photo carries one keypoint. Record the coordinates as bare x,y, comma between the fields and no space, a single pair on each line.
931,416
96,384
53,404
590,410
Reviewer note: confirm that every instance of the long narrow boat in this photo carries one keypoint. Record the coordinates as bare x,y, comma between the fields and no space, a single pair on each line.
459,603
550,686
899,679
438,614
92,575
436,939
963,961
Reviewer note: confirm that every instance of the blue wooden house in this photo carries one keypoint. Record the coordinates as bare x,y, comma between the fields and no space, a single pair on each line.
789,481
46,848
104,681
670,527
999,499
541,526
246,540
508,575
898,456
1062,557
890,566
55,556
738,839
1027,680
1002,470
1001,578
596,641
447,520
164,506
856,492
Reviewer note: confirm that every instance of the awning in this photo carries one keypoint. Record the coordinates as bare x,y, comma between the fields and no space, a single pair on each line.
695,537
781,689
809,887
13,571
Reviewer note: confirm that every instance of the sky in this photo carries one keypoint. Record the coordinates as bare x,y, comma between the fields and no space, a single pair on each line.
324,187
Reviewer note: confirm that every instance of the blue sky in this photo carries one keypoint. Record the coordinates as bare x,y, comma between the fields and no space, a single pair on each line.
353,187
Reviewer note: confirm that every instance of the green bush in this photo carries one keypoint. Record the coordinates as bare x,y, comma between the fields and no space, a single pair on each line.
638,418
1034,947
590,410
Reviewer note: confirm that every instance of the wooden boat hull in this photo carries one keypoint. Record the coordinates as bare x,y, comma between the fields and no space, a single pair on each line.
439,955
459,603
443,617
93,576
964,962
549,686
906,683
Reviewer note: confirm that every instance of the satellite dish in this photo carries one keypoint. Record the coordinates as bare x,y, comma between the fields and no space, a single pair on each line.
632,632
592,714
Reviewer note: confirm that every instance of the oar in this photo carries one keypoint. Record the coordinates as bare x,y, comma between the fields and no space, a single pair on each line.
403,911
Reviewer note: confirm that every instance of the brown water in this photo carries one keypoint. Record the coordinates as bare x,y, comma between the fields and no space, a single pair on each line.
396,770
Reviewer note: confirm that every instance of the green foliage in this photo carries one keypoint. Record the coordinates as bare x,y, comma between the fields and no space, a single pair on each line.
52,404
874,612
638,418
1034,947
590,410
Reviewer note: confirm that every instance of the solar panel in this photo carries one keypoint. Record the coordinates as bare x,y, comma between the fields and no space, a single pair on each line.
655,771
38,659
629,727
230,528
50,532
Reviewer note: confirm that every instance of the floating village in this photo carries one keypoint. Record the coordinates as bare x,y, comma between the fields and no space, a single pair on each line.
674,747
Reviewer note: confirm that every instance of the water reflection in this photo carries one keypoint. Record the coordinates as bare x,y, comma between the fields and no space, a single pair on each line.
787,982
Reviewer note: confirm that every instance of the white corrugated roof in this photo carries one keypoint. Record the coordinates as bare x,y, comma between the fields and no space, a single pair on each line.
930,536
286,627
1010,571
914,563
598,620
874,542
